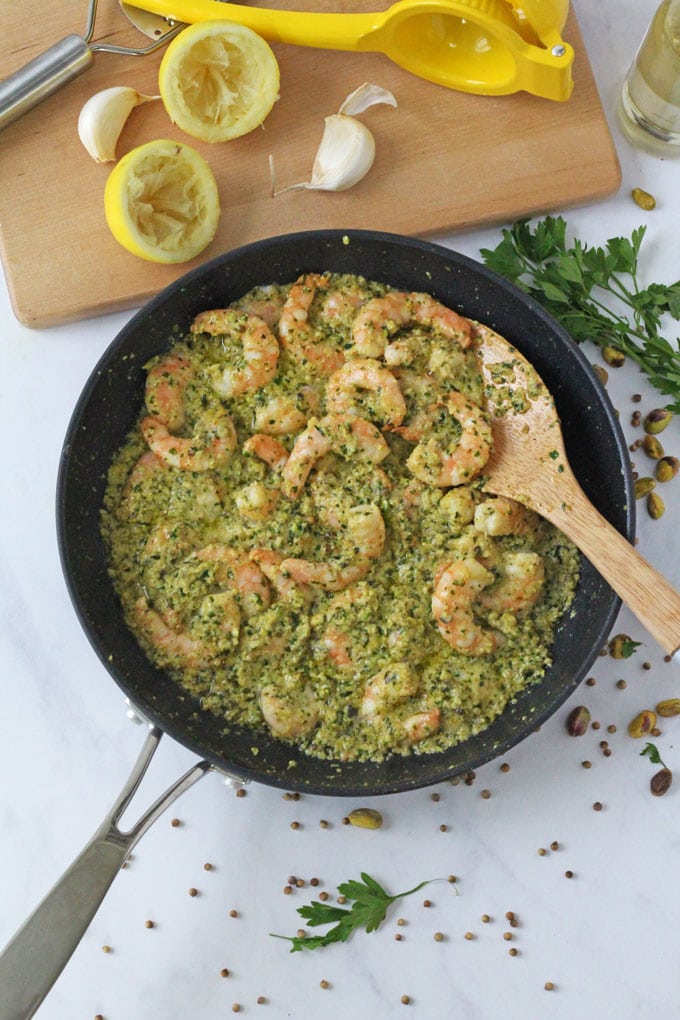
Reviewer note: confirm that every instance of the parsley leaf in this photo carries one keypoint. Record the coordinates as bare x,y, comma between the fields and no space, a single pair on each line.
652,752
595,293
369,907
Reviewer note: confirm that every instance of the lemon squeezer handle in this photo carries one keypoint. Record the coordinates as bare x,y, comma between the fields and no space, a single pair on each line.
42,76
300,28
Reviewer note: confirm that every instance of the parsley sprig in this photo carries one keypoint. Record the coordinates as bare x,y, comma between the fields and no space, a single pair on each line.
369,907
595,292
652,752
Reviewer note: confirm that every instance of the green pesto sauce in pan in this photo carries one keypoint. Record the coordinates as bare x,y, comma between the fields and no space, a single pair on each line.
328,579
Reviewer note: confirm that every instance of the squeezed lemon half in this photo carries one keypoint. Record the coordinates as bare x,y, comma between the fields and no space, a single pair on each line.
218,80
161,202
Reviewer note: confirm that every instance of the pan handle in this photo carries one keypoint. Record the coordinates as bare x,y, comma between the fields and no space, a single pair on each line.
33,960
38,79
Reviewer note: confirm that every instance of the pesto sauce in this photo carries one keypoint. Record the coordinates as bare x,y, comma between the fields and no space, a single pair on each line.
313,647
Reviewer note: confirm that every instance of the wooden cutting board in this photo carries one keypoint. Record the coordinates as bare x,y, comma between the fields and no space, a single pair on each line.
445,161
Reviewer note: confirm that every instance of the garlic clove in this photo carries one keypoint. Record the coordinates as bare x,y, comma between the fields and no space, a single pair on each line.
365,96
345,154
103,117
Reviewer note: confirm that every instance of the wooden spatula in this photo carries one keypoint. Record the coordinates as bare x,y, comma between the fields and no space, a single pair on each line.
529,464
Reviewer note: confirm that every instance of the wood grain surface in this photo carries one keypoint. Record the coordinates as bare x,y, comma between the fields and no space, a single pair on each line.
445,161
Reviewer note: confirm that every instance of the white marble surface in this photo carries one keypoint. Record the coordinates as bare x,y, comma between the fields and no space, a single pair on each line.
608,938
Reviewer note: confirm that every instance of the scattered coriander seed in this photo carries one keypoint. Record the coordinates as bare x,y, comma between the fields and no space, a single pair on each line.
106,949
314,881
241,792
604,743
402,921
505,767
542,851
597,806
148,924
323,896
301,933
569,874
261,1000
233,913
295,825
621,684
587,764
342,899
175,823
611,728
636,398
405,999
323,983
443,828
591,681
513,952
554,845
468,935
292,879
607,752
507,935
224,972
398,937
193,892
438,936
435,797
509,915
485,918
668,658
236,1008
287,890
656,732
646,665
345,820
514,923
452,878
427,903
323,824
99,1017
486,794
300,883
207,866
549,986
596,725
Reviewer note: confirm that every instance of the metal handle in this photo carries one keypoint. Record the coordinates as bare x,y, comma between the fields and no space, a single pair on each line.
33,960
42,76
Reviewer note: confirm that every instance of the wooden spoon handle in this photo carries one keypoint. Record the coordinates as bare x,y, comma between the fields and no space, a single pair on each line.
643,589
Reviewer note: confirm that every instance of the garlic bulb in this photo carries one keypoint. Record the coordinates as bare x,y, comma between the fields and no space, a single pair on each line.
347,148
103,117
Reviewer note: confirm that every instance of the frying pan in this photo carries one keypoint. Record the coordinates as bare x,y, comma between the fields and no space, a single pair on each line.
106,411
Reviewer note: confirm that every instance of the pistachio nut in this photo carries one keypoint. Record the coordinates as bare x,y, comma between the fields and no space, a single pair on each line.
652,447
365,818
613,356
656,507
643,724
657,420
578,721
667,468
621,646
660,782
668,708
643,199
643,487
601,373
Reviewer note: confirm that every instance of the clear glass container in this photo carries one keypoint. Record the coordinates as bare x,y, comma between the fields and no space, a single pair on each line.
650,99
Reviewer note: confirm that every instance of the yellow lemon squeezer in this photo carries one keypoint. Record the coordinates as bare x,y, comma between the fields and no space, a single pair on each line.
488,47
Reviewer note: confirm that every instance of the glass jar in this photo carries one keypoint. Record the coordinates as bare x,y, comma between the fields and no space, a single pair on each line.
650,98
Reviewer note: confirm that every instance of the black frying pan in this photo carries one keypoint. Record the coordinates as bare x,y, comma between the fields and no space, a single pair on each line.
107,410
111,403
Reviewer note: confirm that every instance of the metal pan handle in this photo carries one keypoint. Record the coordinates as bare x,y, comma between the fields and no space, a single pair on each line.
33,960
37,80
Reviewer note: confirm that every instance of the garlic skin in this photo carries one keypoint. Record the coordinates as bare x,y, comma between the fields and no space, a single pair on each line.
103,117
347,148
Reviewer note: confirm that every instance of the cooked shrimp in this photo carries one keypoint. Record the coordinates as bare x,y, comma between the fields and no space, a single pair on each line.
176,647
341,611
336,643
268,449
145,471
236,569
350,437
297,334
382,317
290,714
365,381
281,415
166,382
463,458
391,686
520,585
270,563
260,350
457,587
503,516
266,306
458,506
255,502
209,447
421,725
366,529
